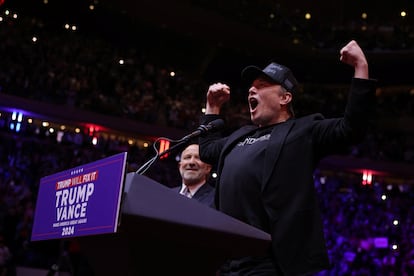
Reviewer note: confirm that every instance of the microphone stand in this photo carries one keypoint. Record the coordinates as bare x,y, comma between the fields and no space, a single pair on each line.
200,130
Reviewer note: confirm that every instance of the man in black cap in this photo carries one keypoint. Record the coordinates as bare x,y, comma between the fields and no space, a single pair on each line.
266,169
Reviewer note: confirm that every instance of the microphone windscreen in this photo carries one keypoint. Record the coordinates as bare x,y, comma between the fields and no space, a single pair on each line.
216,124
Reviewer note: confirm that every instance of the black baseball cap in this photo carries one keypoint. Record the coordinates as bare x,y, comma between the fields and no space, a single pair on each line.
276,72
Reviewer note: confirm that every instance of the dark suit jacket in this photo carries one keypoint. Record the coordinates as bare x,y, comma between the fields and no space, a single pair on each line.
203,195
288,194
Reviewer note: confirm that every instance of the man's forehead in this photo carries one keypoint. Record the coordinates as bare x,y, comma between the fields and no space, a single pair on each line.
190,149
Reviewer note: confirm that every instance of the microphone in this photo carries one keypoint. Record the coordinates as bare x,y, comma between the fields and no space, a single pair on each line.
212,126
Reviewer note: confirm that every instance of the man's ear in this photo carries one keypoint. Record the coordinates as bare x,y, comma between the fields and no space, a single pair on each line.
286,98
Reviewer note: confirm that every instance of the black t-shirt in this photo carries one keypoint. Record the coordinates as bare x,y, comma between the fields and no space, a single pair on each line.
242,177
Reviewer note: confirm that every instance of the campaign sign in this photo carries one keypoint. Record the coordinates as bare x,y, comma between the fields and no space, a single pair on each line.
81,201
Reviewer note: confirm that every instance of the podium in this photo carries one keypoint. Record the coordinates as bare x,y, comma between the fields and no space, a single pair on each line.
161,232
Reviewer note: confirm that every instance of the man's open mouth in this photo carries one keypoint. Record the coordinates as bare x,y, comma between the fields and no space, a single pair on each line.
253,103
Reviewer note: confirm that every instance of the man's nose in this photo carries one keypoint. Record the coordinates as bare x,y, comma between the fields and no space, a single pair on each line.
252,90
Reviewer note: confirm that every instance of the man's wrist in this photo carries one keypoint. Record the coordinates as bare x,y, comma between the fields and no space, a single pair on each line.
212,110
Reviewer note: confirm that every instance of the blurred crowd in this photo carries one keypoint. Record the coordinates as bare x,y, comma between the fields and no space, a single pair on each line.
91,73
378,28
